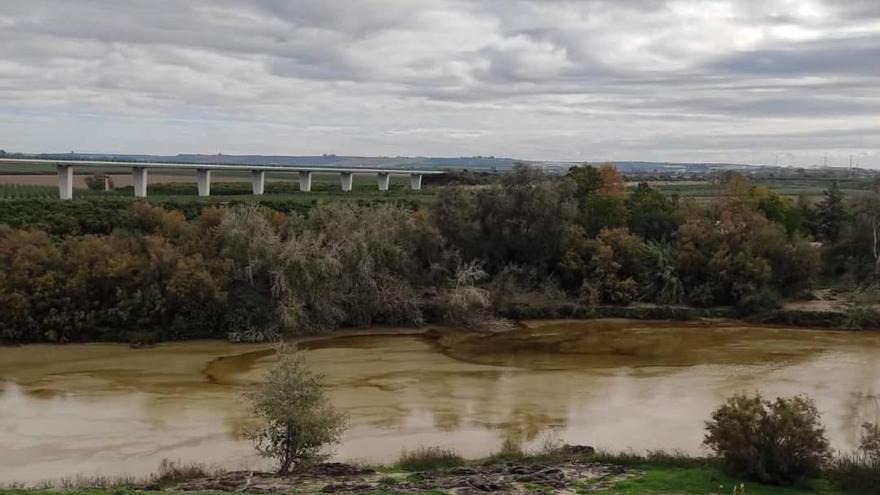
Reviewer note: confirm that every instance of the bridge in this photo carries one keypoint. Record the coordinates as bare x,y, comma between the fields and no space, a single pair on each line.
203,174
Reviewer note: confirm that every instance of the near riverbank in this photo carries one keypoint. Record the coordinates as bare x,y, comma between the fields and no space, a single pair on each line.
570,470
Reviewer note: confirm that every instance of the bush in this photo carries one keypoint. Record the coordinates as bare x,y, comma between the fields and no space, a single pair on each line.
175,472
780,442
869,444
428,458
298,421
859,472
856,472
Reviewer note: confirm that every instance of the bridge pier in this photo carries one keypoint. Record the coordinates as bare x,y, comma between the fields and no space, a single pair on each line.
384,180
258,182
415,181
203,177
346,179
65,181
305,181
139,179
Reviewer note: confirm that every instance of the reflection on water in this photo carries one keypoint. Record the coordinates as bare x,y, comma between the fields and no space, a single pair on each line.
104,408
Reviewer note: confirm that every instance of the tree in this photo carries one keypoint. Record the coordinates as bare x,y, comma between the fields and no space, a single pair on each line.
612,183
651,214
298,421
600,195
522,220
831,213
856,252
868,211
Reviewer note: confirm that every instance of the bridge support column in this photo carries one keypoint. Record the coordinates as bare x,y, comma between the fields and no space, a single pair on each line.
305,181
203,177
346,179
139,179
384,180
415,181
258,181
65,181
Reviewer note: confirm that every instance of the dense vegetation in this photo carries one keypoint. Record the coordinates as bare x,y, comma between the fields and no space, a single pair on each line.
113,269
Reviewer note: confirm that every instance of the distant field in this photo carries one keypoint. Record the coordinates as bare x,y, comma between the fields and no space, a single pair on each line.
812,189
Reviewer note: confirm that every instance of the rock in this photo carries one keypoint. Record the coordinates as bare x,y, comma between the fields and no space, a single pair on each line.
486,484
554,473
345,487
522,469
462,471
578,449
333,469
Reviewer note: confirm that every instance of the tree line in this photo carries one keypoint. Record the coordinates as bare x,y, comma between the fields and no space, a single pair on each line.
252,273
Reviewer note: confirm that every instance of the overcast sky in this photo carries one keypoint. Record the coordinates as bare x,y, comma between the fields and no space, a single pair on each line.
735,81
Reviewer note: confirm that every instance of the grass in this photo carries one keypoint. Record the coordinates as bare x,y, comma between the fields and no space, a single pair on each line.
670,480
428,459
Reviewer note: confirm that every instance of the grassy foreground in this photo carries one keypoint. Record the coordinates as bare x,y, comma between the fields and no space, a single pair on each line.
648,480
699,481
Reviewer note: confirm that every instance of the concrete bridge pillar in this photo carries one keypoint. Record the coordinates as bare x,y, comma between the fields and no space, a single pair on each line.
65,181
258,181
346,179
203,177
384,180
139,179
305,181
415,181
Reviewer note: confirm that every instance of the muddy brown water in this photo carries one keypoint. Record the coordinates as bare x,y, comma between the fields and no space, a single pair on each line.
110,409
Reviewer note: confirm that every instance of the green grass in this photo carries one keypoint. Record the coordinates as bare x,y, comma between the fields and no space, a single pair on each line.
699,481
428,459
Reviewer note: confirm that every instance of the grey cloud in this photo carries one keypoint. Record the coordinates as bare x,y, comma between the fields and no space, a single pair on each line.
837,56
541,79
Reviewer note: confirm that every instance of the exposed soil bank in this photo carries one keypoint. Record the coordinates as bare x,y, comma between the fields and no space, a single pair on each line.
787,316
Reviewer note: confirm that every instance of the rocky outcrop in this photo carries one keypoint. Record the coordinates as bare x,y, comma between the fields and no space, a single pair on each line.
513,478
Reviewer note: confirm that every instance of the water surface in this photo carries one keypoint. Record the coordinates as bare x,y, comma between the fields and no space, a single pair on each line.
108,408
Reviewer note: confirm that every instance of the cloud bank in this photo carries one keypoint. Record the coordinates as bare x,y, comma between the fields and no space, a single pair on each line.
737,81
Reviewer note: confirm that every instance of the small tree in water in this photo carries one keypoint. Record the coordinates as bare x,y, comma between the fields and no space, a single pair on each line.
298,421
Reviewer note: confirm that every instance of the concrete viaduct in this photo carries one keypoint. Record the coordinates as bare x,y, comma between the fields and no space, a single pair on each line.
203,174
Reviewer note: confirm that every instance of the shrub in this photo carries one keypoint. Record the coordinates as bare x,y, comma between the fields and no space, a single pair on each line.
856,472
859,472
511,450
298,421
780,442
869,444
428,458
174,472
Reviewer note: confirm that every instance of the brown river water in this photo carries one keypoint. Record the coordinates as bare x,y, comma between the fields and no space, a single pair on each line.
111,409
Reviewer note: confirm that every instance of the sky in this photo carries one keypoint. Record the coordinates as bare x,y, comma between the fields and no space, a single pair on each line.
768,81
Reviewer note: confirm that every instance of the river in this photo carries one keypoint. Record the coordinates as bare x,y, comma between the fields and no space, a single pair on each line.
111,409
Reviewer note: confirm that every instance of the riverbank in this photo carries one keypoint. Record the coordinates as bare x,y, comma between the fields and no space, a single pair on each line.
571,470
798,314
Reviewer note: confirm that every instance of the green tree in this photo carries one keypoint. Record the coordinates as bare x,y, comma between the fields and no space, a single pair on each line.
298,422
651,214
522,220
831,214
